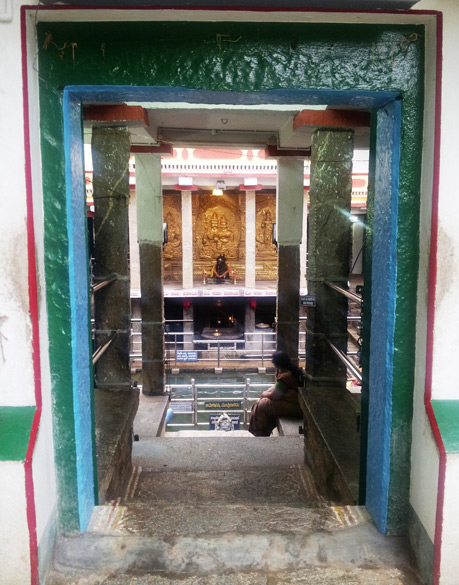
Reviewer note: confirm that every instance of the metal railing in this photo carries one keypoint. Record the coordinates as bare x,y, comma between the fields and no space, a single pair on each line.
192,405
350,366
347,293
103,348
253,346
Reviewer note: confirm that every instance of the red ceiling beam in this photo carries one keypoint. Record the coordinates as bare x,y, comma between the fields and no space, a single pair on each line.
332,118
162,148
119,113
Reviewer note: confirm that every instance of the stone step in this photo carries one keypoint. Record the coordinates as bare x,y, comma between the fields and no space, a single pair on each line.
217,452
227,511
310,576
322,575
357,546
292,485
134,518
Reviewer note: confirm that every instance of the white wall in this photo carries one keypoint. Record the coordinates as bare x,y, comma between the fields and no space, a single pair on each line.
16,374
450,556
445,382
17,385
14,538
446,332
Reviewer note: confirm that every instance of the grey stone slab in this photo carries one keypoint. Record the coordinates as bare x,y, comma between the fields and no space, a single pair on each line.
359,546
150,417
106,578
184,519
293,486
309,576
217,453
114,413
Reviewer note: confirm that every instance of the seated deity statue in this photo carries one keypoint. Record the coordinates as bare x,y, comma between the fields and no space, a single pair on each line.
220,270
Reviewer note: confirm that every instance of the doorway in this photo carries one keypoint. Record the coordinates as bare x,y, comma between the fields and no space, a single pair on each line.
392,287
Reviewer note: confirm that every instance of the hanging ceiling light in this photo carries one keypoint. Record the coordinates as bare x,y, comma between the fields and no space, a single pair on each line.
218,191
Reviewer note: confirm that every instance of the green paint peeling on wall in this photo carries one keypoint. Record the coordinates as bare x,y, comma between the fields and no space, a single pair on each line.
228,57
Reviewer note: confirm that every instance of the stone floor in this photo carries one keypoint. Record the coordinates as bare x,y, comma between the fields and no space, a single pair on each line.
228,511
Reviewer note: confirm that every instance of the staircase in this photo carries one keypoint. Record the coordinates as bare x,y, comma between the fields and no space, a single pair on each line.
227,511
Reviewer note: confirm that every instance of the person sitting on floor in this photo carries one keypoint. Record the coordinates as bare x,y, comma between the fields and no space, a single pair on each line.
278,400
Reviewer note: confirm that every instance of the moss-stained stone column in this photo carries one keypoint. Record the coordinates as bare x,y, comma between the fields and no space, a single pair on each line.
290,188
329,252
110,158
150,234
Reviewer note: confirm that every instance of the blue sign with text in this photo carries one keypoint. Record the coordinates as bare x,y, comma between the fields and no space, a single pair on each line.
307,300
187,355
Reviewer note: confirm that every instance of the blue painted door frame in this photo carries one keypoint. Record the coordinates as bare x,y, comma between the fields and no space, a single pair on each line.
384,265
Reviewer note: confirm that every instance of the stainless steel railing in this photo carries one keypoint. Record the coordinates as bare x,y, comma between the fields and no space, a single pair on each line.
192,405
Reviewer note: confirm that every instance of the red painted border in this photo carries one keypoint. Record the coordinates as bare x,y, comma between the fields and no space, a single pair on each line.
431,308
33,310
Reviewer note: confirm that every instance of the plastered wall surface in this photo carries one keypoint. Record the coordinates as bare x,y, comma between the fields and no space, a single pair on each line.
14,538
445,384
446,333
17,384
450,558
16,374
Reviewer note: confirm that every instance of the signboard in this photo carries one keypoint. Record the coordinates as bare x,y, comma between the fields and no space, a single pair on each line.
182,406
222,421
187,355
307,300
223,405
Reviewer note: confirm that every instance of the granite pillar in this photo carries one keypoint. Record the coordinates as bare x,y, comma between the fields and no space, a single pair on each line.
110,157
290,188
150,234
329,252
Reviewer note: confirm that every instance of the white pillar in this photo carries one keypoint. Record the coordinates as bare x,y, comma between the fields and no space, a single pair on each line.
250,227
150,234
304,243
289,217
187,240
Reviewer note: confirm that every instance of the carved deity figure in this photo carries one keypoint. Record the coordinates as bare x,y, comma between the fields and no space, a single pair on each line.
218,234
174,243
220,270
225,235
264,235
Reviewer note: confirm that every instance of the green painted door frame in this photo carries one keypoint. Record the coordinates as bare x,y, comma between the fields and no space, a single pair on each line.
284,63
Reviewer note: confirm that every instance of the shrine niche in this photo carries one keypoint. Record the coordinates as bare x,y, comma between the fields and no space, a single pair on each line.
218,230
266,256
172,251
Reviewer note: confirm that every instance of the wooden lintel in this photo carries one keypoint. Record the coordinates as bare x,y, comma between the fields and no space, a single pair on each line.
332,118
162,148
272,151
119,113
